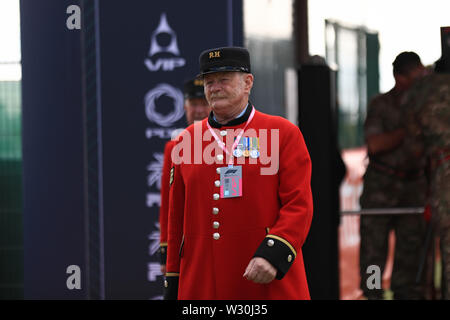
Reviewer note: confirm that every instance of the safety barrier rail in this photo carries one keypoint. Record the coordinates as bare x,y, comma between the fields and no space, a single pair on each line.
381,211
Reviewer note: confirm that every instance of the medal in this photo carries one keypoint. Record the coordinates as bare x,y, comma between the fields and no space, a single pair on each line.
254,148
246,146
254,153
238,151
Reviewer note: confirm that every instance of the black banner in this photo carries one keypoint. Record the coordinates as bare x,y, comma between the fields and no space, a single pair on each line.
148,49
52,142
102,93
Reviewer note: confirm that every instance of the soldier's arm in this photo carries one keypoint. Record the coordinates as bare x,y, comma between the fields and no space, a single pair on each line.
384,142
411,121
377,140
164,207
287,235
175,233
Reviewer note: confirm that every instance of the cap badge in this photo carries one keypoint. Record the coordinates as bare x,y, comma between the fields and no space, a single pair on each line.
198,82
214,54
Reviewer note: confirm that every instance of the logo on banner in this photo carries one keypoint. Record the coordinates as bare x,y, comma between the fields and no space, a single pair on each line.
164,120
159,45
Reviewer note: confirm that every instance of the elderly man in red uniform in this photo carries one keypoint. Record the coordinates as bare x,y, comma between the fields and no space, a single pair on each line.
196,108
240,198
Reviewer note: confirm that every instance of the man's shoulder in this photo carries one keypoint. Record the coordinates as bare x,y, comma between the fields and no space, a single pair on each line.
381,100
191,129
431,83
175,134
429,90
440,82
169,145
274,122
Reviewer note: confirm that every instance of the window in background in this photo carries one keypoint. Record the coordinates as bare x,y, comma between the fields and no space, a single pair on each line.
268,35
354,52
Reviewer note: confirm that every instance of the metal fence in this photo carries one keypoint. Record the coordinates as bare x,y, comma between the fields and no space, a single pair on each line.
385,211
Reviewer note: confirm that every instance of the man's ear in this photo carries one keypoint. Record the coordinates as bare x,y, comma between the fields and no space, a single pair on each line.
248,80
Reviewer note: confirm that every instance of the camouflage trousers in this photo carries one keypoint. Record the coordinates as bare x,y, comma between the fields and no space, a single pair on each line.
381,191
440,204
409,235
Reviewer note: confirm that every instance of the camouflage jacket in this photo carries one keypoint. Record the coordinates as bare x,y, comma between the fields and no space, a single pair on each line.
385,114
382,189
427,120
427,116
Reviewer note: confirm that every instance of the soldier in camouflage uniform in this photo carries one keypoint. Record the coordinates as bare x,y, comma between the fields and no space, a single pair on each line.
392,181
427,122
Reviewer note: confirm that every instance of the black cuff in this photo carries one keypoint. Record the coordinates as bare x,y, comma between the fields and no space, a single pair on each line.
171,287
163,254
278,252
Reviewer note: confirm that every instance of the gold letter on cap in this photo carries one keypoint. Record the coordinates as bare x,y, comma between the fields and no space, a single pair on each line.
214,54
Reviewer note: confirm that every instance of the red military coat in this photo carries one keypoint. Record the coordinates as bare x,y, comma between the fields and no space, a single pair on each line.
164,207
211,240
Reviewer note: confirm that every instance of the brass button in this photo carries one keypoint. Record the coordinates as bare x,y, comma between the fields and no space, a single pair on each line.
217,183
219,157
215,210
218,170
216,236
216,225
289,258
223,133
270,242
216,196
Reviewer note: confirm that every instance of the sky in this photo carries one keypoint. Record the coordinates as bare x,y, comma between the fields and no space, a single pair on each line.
9,39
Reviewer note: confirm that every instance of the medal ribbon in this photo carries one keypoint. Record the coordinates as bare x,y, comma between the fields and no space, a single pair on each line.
236,142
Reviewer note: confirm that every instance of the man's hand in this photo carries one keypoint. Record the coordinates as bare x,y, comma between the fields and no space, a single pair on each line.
259,270
384,142
163,269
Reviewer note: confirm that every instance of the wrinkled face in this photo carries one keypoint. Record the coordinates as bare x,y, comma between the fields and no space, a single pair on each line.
196,109
225,90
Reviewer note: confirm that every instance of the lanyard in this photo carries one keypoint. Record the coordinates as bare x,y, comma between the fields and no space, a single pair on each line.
236,142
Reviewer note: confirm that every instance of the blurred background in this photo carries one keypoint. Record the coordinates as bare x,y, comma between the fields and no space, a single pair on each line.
84,119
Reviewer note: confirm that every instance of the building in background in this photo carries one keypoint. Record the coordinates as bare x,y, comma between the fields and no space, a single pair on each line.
269,37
